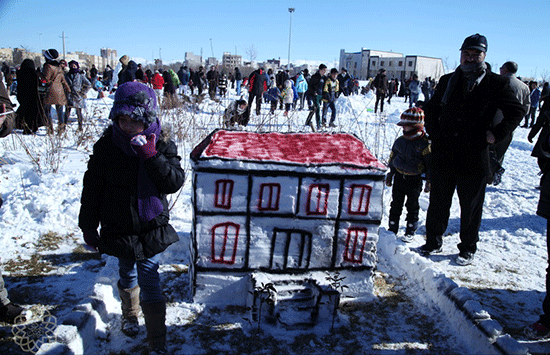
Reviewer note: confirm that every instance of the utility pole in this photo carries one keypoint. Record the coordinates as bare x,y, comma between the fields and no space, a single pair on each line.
211,48
63,36
291,10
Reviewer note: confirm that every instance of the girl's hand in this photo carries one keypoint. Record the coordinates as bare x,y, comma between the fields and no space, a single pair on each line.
148,149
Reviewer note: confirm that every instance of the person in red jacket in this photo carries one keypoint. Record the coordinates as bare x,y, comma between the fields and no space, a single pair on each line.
158,84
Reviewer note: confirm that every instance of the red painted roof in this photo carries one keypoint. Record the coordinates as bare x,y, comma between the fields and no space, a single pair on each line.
296,148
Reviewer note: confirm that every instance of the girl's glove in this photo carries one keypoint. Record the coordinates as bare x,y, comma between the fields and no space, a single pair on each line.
91,237
144,147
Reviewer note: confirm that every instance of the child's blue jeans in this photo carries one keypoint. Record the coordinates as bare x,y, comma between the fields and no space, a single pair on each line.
143,273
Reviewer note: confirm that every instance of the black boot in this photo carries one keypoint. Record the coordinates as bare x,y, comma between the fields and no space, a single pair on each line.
155,322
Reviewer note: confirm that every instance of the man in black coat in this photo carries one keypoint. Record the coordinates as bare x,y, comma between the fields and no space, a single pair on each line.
344,81
213,77
459,121
315,94
380,85
256,87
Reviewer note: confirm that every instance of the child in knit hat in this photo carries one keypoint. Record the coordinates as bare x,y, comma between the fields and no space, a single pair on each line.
409,159
132,169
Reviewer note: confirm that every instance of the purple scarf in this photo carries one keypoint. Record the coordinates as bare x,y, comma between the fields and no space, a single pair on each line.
149,202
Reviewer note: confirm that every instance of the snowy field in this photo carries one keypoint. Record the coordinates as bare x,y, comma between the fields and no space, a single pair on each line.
49,271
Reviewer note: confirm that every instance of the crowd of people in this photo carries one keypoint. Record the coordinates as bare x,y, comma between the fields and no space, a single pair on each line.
454,139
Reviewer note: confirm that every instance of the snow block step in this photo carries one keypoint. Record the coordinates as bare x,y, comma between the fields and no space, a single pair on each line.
291,302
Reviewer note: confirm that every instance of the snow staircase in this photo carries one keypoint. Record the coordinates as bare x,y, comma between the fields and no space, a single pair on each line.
291,302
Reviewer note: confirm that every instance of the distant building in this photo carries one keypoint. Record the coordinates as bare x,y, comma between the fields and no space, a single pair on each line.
192,60
110,56
230,61
212,61
275,62
15,56
365,64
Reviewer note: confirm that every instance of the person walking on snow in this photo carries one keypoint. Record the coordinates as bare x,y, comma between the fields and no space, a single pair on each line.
54,79
79,85
330,92
133,167
497,150
301,89
315,94
380,85
287,96
535,99
257,84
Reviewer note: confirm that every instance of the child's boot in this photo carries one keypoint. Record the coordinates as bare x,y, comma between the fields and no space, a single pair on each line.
155,322
129,298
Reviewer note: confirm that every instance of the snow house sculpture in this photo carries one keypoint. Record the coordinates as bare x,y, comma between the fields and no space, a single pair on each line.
282,208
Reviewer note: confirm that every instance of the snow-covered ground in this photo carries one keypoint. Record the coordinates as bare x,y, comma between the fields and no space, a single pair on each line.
47,269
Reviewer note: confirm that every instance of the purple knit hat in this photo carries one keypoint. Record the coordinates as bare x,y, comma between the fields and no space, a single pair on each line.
137,101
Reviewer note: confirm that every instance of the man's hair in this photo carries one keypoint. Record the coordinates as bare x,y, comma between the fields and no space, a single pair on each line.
322,66
511,67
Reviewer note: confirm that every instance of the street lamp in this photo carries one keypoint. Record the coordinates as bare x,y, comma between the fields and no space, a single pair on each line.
291,10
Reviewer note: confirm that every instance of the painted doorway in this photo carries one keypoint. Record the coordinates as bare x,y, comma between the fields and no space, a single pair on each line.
290,249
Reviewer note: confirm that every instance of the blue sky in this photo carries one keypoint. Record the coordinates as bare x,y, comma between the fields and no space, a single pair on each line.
148,29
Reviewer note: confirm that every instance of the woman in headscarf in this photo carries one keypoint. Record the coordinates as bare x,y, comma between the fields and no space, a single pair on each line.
30,114
79,85
54,78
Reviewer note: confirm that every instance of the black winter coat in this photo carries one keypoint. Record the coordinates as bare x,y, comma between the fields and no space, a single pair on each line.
316,84
257,83
458,129
129,74
380,83
542,123
109,198
238,75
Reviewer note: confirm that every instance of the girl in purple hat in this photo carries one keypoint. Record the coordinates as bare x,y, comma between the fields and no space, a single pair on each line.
133,167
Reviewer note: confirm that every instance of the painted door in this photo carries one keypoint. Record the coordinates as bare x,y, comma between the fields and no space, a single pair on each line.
290,249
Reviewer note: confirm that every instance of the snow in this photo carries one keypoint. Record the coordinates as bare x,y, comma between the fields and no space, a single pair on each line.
421,305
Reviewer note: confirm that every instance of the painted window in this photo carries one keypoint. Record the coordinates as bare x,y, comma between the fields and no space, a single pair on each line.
269,197
225,237
359,199
317,199
224,190
355,245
